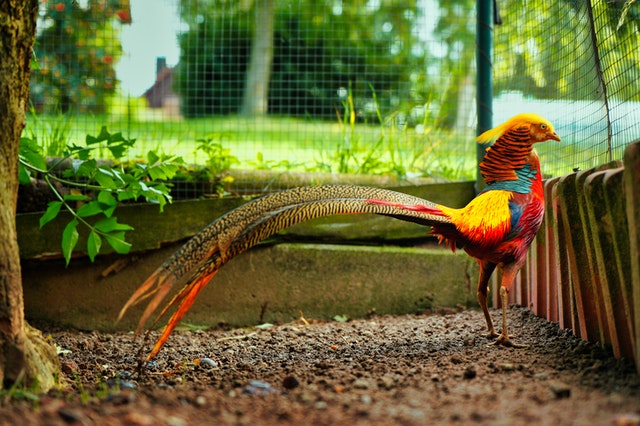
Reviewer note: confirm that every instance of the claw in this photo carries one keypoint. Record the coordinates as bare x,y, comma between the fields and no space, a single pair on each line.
504,340
492,335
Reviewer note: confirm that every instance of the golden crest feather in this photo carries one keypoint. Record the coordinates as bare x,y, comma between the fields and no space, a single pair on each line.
492,135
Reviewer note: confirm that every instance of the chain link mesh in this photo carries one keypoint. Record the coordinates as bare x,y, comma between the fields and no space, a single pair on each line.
375,88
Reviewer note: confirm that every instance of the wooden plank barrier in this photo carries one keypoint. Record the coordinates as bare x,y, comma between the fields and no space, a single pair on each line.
583,270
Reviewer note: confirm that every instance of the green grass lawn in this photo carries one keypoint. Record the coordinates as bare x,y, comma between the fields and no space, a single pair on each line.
279,143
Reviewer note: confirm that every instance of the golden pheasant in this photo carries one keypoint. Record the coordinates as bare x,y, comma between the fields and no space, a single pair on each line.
496,227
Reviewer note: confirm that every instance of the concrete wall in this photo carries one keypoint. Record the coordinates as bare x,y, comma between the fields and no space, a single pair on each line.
340,265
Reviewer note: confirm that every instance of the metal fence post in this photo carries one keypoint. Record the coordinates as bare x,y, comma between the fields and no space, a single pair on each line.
484,77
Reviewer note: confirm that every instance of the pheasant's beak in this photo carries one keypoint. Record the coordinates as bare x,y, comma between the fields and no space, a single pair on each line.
554,136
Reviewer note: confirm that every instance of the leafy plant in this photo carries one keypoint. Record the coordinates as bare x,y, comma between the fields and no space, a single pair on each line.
394,147
350,154
219,158
262,163
96,188
52,135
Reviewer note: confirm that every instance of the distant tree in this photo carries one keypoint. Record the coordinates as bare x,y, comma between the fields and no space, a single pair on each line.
321,52
255,99
76,50
550,52
456,28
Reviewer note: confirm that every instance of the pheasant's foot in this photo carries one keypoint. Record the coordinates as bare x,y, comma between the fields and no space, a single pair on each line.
504,340
491,334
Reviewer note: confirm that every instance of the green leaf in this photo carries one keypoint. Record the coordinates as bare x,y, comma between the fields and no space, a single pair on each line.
94,242
116,240
103,136
156,173
106,198
92,208
24,177
114,174
126,195
104,180
84,168
163,171
83,153
53,208
117,151
69,239
31,153
108,202
35,159
110,224
29,144
116,137
152,157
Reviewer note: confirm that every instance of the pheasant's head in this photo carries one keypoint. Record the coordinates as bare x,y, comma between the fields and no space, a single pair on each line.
540,129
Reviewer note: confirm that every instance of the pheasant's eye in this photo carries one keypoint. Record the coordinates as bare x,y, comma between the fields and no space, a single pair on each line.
543,126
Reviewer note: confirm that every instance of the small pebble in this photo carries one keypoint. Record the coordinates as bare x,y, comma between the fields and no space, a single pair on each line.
507,367
470,372
456,359
469,340
387,382
256,387
542,376
290,382
208,362
175,421
306,397
69,367
361,384
321,405
560,390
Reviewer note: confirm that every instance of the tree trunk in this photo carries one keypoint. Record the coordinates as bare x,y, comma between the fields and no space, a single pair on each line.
25,357
256,91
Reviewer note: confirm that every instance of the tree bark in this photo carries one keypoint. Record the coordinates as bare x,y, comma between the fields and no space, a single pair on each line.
256,91
25,357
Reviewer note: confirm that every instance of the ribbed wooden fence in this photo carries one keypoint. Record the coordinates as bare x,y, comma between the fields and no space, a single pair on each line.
583,270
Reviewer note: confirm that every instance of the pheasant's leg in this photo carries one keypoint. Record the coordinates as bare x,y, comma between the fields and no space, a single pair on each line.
508,276
486,269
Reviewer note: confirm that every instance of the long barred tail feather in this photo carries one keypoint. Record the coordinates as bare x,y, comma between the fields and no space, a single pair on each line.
195,263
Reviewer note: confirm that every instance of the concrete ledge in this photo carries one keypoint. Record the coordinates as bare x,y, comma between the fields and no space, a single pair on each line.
183,219
266,284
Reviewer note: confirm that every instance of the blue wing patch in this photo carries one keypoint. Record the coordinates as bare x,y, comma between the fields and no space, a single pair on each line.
522,185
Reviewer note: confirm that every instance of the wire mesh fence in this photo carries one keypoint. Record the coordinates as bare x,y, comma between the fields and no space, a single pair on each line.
576,63
367,87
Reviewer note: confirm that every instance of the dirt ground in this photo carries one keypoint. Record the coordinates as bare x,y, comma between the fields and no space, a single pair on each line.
431,369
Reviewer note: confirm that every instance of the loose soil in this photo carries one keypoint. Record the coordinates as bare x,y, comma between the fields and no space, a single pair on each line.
429,369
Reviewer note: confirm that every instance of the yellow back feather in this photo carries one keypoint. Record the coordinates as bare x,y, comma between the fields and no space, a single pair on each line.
486,219
492,135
